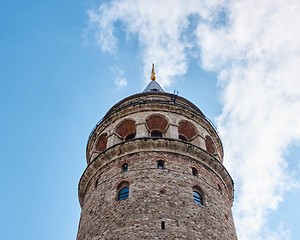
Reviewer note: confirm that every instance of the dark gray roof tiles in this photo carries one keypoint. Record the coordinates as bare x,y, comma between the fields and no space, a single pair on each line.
153,86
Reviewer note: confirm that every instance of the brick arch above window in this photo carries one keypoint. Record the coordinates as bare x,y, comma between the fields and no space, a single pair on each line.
157,122
126,129
122,184
209,145
101,142
186,129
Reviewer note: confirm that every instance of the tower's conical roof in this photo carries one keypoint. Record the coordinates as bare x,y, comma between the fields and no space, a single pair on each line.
153,86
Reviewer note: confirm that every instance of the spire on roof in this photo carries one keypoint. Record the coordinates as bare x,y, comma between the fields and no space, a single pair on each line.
153,86
153,77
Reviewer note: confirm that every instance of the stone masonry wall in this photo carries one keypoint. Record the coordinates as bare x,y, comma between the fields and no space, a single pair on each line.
140,216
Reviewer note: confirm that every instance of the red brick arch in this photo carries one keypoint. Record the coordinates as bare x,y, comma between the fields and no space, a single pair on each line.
101,142
156,122
187,129
126,128
123,184
209,145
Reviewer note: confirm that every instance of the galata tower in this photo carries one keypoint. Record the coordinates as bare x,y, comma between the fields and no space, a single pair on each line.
154,171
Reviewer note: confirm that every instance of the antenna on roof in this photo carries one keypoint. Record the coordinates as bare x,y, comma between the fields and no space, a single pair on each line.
174,96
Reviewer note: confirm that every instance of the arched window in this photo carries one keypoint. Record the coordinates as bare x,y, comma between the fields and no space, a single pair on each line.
126,129
125,167
160,164
123,191
156,134
195,171
198,195
183,138
157,125
186,131
130,136
197,198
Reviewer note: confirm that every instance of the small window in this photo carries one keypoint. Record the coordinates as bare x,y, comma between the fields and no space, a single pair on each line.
130,136
154,90
160,164
125,167
156,134
163,225
195,171
183,138
198,198
123,193
96,183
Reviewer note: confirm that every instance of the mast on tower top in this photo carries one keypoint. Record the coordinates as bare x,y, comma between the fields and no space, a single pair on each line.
153,77
153,86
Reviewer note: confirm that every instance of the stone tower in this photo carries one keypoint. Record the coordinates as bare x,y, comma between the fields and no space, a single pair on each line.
155,172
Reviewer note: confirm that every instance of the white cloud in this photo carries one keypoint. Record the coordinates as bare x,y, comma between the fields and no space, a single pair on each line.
159,27
257,58
281,234
120,81
254,46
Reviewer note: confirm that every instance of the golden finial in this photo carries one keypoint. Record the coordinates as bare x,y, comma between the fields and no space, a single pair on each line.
153,77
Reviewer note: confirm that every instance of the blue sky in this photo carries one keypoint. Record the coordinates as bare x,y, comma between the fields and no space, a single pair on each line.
65,63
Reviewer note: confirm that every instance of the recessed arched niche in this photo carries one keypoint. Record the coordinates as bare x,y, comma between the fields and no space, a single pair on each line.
186,130
156,125
126,129
101,143
209,145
